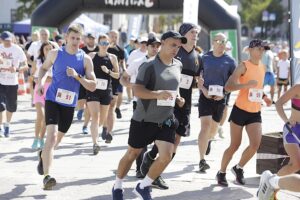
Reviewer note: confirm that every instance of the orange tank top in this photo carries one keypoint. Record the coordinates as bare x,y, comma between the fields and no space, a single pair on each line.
253,72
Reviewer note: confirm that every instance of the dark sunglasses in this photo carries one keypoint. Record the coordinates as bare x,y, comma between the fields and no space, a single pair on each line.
103,43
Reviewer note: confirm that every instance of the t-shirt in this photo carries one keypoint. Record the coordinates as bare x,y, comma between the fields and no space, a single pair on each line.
133,69
34,49
191,68
155,75
283,68
135,55
267,60
216,70
12,56
117,51
87,51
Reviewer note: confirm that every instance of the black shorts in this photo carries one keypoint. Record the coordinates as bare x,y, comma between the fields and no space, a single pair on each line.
183,122
116,87
209,107
243,118
58,114
282,80
102,96
82,93
8,98
143,133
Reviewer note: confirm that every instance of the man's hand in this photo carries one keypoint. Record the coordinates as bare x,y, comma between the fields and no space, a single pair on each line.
40,89
217,98
12,69
180,101
71,72
104,69
164,95
268,101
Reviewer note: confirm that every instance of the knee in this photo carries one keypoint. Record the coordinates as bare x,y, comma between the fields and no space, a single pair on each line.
132,154
165,159
254,146
234,147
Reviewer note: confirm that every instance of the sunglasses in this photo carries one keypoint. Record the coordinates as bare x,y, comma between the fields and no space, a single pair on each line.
103,43
221,41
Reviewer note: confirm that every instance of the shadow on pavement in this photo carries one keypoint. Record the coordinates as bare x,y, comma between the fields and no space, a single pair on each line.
18,191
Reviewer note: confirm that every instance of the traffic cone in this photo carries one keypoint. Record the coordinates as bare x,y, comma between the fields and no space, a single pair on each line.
22,86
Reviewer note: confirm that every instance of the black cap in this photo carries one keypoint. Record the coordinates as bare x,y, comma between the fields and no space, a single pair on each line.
257,43
175,35
91,35
186,27
6,35
153,40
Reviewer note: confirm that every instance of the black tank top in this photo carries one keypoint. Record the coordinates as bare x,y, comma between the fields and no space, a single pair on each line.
98,62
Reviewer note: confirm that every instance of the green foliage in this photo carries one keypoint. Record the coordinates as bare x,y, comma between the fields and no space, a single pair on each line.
251,13
26,8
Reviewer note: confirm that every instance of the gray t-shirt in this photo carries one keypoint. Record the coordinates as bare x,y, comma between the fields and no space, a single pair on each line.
155,75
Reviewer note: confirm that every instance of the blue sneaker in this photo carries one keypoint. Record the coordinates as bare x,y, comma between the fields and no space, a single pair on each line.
42,143
6,131
143,194
117,194
85,130
79,114
35,143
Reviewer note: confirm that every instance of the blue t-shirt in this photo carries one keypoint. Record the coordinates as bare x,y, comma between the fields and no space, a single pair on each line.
216,70
61,81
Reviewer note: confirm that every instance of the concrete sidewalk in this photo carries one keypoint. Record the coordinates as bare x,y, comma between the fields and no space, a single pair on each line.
80,175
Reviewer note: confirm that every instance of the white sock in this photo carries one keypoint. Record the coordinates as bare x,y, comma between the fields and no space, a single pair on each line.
274,182
238,166
118,183
147,181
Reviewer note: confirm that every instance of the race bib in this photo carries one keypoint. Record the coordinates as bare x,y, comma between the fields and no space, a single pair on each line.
6,63
64,96
255,95
215,90
101,84
170,101
185,81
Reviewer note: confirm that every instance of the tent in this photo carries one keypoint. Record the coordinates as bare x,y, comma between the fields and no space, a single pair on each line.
22,27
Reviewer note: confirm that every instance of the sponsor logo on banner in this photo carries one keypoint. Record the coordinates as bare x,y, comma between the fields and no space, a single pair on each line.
127,3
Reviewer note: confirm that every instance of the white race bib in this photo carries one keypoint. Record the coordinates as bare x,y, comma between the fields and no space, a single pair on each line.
255,95
170,101
64,96
185,81
215,90
6,63
101,84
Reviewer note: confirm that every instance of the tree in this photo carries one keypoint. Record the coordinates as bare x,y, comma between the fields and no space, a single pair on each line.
26,8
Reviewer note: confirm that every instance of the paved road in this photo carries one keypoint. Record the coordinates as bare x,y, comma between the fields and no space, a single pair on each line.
80,175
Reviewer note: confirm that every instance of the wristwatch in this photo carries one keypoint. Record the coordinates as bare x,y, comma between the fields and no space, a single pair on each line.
78,77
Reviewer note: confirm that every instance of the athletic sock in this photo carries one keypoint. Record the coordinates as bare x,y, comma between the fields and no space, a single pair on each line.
118,183
147,181
274,182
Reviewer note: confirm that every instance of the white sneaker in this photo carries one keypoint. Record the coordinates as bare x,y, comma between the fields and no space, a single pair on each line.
221,132
265,190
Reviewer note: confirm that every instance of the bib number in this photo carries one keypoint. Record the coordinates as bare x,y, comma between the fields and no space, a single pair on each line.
168,102
215,90
64,96
6,63
101,84
255,95
185,81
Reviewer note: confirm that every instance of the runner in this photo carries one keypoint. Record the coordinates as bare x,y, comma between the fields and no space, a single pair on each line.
12,62
156,87
248,78
70,64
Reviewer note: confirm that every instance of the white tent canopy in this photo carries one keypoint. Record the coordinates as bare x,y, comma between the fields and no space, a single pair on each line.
90,26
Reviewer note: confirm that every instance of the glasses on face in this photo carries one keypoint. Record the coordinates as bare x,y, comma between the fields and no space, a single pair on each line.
103,43
221,41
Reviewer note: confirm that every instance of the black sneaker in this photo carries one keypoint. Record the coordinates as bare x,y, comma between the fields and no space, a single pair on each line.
239,174
221,178
49,182
146,163
40,168
104,133
108,138
139,174
144,194
117,194
96,149
203,166
118,113
159,183
208,147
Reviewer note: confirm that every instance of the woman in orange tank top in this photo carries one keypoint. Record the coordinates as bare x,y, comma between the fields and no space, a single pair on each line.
248,78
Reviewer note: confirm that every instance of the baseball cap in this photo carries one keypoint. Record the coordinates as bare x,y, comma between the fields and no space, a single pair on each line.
6,35
90,35
186,27
143,39
153,40
175,35
257,43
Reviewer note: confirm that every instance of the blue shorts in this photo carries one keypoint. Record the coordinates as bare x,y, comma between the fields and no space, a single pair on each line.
269,79
288,138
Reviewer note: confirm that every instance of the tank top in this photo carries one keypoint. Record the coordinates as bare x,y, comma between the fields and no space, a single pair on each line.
254,72
64,89
100,74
